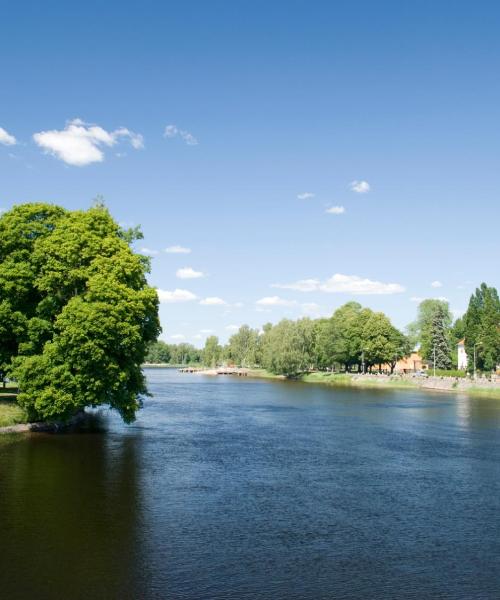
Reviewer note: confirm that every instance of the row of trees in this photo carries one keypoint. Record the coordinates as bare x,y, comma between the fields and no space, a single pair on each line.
437,335
355,338
76,313
173,354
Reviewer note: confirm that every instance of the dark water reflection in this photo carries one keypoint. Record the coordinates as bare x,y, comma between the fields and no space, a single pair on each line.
230,488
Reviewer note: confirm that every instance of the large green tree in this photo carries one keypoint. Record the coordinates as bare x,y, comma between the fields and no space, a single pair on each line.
482,328
430,313
212,351
243,347
78,311
289,346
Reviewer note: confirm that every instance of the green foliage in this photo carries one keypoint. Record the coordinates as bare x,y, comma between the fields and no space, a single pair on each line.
78,313
433,313
482,328
288,347
439,338
244,347
158,352
212,351
448,373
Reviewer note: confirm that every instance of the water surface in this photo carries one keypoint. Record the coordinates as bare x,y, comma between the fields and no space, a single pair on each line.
240,488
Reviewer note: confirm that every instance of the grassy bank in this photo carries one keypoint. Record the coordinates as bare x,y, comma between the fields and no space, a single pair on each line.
11,414
348,380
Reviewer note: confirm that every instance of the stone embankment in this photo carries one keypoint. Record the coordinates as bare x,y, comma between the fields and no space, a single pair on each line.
445,384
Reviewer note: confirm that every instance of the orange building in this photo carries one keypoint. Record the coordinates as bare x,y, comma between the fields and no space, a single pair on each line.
408,364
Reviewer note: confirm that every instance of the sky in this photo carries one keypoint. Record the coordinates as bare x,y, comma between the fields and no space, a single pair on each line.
282,158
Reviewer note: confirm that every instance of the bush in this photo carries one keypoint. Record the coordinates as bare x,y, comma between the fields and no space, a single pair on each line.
447,373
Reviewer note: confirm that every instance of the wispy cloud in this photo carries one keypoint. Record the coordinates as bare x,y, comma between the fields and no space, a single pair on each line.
436,284
360,187
343,284
310,308
178,336
336,210
275,301
6,139
305,195
172,131
419,299
177,250
80,143
232,328
170,297
213,301
189,273
303,285
206,331
149,251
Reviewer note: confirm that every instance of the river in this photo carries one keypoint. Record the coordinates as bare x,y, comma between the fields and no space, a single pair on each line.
252,489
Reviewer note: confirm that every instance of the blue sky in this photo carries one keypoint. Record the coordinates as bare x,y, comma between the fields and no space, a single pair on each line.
266,102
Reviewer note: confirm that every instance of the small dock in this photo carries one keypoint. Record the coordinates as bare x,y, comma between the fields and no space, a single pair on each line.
236,371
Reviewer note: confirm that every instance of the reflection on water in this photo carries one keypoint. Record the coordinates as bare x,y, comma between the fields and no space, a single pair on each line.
239,488
69,506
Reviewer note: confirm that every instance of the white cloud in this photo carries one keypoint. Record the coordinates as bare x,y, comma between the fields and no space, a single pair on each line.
310,308
148,251
238,305
81,143
303,285
169,297
197,336
360,187
206,331
213,301
188,273
336,210
305,196
172,131
417,299
6,139
232,328
436,284
274,301
353,284
343,284
177,250
178,336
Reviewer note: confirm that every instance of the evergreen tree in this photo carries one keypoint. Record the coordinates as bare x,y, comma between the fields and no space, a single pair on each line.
440,340
482,328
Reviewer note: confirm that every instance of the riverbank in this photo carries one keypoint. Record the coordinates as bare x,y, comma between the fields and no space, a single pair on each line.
479,387
13,419
11,414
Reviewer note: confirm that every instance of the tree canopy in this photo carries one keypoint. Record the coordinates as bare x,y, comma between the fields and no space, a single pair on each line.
76,313
482,328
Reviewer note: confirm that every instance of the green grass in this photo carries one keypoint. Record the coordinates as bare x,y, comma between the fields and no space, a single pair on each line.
11,414
343,379
447,373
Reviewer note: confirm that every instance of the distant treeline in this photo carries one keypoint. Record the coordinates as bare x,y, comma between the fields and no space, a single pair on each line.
354,338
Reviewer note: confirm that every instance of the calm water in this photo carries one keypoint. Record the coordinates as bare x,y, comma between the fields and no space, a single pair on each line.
236,488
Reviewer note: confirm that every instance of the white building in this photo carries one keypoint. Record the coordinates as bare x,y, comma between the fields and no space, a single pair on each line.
462,355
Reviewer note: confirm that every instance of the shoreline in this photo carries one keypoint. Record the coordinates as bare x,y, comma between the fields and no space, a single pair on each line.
453,385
